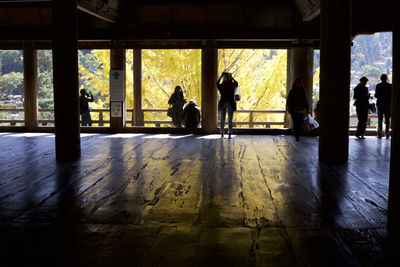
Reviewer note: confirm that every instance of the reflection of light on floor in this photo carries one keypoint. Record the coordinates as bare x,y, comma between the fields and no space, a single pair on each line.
32,135
121,135
4,133
88,134
166,136
214,136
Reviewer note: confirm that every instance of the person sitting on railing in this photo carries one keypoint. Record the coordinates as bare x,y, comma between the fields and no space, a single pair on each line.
177,101
84,107
191,115
296,104
227,89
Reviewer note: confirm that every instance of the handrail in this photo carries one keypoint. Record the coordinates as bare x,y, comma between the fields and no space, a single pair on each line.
101,121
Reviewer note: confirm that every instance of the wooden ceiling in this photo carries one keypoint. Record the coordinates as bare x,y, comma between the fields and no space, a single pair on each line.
149,20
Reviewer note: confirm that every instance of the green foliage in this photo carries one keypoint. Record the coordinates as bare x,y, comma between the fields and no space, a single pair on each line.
12,83
11,61
371,56
371,71
45,80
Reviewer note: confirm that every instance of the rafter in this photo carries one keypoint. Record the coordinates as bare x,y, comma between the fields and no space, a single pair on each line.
99,9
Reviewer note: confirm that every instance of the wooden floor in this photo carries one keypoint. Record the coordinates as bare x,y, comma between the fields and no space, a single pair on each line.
190,200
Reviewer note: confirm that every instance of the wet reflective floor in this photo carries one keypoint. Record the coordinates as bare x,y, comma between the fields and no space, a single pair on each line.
191,200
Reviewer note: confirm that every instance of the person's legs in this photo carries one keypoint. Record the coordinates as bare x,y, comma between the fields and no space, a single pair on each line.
362,115
380,119
84,119
230,118
298,119
364,119
387,122
89,119
223,115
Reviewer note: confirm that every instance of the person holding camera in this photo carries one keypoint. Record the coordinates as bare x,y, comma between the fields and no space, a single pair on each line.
84,99
227,87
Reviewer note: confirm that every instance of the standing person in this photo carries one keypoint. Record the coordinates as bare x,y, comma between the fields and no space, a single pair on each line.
191,115
296,104
177,101
383,94
361,96
227,101
84,108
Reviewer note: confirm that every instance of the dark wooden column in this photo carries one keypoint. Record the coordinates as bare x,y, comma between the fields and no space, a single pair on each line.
65,75
209,66
117,62
300,65
137,88
335,79
394,182
30,89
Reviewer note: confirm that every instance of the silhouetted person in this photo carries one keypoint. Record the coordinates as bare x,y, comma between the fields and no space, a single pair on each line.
297,104
383,94
177,101
227,102
84,109
361,96
191,115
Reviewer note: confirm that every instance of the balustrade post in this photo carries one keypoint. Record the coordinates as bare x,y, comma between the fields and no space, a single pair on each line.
251,124
138,116
117,90
101,119
30,89
209,65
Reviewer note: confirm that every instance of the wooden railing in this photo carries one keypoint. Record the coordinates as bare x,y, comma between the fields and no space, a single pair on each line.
251,123
370,125
101,121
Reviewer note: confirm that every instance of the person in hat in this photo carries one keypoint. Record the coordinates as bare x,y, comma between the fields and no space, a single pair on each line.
383,94
361,96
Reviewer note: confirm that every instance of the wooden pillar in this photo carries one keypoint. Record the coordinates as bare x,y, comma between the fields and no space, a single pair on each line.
117,62
300,65
394,182
138,117
209,66
30,89
335,80
65,77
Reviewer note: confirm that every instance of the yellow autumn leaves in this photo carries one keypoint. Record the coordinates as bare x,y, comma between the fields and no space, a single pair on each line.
261,74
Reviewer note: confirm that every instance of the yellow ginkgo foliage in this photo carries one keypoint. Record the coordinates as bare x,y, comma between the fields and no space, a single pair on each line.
261,74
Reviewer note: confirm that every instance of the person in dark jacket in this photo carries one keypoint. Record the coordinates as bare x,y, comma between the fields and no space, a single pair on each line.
361,96
84,109
177,101
297,105
227,102
191,115
383,94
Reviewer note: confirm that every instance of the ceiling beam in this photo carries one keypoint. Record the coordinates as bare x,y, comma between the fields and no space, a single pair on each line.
99,9
309,9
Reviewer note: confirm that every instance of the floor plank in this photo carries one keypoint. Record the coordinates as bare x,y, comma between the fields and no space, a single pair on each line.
191,200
